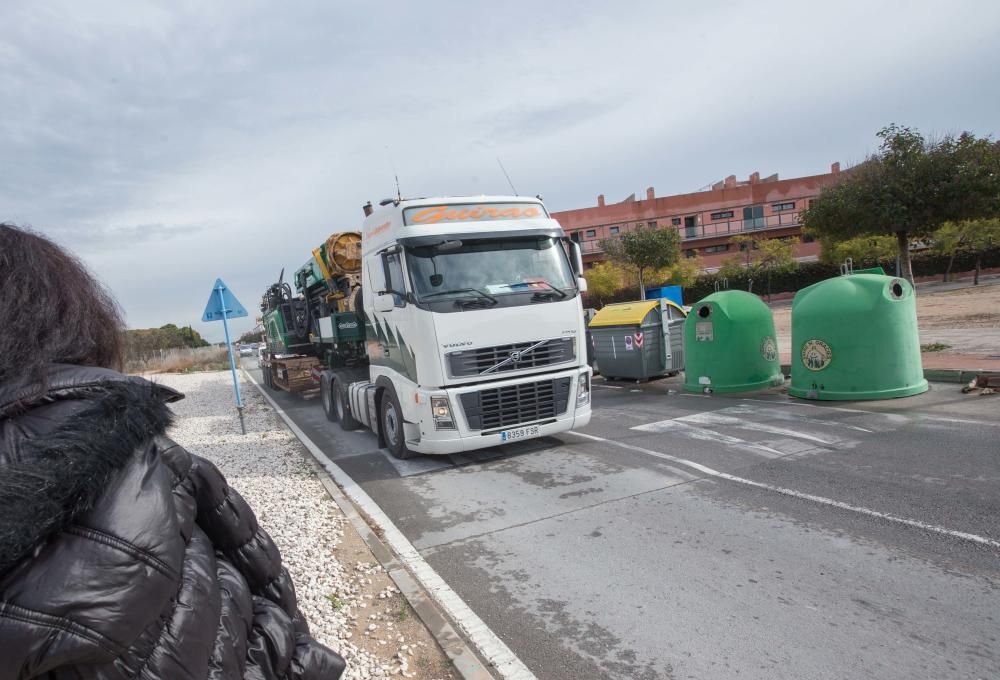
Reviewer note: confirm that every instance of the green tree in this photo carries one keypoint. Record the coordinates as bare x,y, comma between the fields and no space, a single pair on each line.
604,280
644,250
859,249
971,236
762,258
684,272
908,188
733,267
256,335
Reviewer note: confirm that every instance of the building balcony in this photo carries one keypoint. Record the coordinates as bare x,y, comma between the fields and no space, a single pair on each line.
721,228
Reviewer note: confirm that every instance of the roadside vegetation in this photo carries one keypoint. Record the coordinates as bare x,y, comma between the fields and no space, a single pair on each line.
171,349
909,189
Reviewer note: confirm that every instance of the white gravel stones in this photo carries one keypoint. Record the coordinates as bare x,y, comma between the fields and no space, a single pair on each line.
267,468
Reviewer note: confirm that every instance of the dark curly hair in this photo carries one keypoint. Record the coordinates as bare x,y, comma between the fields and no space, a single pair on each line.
51,311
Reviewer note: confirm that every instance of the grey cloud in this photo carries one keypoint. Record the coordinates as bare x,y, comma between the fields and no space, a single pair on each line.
228,139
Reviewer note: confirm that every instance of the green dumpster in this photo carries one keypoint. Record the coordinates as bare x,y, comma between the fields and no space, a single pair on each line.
855,337
638,340
730,345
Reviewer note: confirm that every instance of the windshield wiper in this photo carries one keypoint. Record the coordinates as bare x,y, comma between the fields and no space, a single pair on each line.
538,295
483,295
475,302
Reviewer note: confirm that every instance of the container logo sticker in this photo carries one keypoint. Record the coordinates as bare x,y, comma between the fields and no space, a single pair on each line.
816,355
703,331
628,343
638,339
769,348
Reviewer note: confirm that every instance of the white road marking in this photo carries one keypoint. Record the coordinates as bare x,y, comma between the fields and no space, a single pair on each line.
974,538
608,387
961,421
894,417
703,434
782,414
491,647
720,418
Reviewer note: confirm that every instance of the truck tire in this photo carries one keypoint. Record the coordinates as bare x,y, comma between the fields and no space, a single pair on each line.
265,372
326,388
391,425
341,406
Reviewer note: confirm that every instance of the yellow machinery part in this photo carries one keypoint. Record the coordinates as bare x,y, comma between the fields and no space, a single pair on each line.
343,252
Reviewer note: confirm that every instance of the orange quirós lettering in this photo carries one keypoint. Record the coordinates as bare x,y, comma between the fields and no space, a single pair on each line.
431,215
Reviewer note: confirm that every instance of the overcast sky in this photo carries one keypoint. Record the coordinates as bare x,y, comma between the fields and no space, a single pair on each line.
170,143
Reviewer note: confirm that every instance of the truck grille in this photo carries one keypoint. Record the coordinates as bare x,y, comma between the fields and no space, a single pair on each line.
501,407
478,361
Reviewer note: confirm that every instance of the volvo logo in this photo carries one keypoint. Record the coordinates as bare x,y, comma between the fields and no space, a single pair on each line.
515,357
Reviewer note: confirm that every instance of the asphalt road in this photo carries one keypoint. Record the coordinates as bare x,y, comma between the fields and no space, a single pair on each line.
683,536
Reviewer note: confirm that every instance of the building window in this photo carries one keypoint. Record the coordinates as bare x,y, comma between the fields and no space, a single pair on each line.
780,207
676,221
723,215
591,233
613,230
717,249
651,225
691,252
753,217
807,238
811,201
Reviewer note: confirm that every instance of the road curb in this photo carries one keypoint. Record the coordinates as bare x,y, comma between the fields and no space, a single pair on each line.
953,375
946,375
420,585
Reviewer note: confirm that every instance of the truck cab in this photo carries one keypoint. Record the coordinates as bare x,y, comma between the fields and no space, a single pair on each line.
474,327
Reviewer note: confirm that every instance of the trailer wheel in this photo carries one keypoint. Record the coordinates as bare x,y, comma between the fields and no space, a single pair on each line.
338,391
326,388
391,421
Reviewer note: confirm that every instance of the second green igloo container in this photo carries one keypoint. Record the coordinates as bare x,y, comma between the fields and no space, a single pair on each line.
730,344
855,337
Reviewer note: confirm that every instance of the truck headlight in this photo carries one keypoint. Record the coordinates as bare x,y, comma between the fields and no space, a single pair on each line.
583,389
441,412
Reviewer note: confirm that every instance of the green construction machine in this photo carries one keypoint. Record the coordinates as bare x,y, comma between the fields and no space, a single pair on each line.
321,323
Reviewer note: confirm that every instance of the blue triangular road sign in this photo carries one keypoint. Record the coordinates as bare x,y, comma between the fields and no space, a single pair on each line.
213,310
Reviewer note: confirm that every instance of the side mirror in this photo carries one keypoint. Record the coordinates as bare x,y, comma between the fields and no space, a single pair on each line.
577,257
384,302
581,284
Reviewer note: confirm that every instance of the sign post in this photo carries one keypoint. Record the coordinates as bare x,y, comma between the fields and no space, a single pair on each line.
222,304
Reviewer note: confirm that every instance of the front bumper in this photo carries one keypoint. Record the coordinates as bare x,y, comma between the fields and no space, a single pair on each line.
463,438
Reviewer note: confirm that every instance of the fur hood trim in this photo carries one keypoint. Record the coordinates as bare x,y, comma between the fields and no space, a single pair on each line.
49,479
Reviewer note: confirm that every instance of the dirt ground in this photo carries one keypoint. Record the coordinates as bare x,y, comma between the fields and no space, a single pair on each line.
384,624
974,307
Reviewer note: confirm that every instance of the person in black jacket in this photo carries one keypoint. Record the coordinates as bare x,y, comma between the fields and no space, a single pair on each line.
121,554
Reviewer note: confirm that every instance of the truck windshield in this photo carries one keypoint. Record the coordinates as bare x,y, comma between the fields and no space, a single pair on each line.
491,268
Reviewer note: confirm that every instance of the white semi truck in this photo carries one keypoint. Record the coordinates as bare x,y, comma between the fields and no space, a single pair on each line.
447,325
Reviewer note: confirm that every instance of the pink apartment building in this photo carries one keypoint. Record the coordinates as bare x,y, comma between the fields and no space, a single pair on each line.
706,220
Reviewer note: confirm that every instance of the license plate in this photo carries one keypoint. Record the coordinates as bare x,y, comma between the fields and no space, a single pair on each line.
520,433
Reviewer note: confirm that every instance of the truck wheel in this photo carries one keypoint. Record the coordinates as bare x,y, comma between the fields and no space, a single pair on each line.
338,391
391,421
326,388
266,374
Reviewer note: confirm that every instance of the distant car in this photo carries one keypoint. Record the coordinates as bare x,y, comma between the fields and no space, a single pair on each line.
246,351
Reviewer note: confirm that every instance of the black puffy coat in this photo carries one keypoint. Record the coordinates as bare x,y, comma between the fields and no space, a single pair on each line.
124,556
